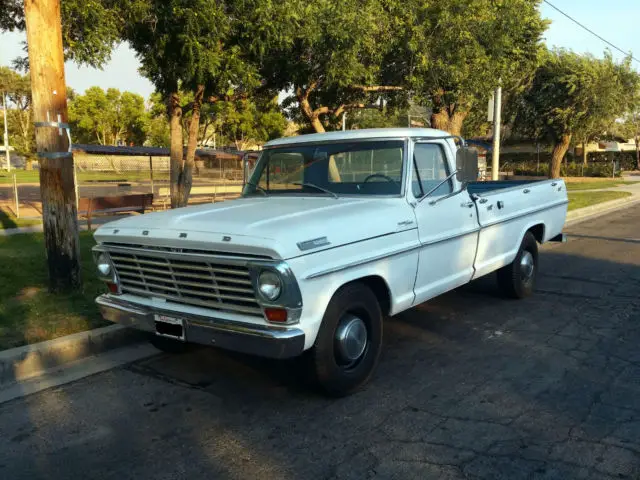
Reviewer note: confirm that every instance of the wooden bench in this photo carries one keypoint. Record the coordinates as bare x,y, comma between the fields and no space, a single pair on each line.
88,207
211,193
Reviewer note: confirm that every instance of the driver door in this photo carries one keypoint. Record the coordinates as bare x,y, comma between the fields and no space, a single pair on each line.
447,224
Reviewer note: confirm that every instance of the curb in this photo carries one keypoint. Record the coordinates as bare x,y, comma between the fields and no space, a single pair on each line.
600,209
22,363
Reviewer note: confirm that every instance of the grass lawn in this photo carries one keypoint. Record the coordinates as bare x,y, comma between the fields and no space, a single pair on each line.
571,186
28,312
9,221
586,199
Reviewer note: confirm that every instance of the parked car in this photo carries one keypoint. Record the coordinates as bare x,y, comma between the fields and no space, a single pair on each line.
333,233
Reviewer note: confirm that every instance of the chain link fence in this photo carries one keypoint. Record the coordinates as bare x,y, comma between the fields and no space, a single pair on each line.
103,171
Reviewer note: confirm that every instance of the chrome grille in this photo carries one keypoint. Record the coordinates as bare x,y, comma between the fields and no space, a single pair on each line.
199,282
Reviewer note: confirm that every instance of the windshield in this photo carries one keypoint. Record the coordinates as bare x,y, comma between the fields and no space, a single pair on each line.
331,169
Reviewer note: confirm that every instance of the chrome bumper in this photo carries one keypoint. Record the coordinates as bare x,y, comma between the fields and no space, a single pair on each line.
261,340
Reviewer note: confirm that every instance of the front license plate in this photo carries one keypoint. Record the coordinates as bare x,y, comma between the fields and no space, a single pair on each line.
169,326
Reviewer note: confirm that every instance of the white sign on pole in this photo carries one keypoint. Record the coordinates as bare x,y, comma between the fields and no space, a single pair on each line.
490,109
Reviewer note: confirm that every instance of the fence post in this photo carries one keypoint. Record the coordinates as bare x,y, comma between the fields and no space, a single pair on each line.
151,172
15,192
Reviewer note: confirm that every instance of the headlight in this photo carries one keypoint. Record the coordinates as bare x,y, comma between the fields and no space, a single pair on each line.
270,285
103,264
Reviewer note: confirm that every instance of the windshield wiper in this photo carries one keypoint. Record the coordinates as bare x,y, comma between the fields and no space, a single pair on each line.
258,188
303,184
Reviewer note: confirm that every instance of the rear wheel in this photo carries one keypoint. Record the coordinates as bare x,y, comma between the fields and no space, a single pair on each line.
518,279
349,342
168,345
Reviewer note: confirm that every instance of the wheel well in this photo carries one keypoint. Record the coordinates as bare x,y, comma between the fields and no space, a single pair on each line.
538,232
379,288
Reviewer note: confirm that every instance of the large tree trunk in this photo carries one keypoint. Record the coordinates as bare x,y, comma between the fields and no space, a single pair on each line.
312,116
559,151
585,155
637,150
186,176
176,149
452,123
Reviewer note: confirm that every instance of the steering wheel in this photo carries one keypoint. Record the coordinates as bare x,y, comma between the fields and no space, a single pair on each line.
380,175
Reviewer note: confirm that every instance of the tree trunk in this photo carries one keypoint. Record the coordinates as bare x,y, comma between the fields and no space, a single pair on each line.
176,148
57,188
585,155
186,176
637,150
313,117
559,151
442,120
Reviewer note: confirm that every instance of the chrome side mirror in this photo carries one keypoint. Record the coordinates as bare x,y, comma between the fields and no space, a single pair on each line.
467,165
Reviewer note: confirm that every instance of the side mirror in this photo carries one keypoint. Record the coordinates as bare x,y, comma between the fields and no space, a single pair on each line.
467,164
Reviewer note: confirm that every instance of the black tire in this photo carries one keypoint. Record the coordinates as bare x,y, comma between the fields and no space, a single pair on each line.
338,378
168,345
511,278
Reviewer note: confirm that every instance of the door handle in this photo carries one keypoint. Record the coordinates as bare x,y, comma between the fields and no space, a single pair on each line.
526,190
483,200
467,204
554,184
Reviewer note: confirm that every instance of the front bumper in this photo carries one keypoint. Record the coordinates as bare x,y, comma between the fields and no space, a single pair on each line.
261,340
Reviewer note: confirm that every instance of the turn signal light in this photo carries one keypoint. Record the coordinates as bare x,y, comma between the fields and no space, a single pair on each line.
113,288
276,314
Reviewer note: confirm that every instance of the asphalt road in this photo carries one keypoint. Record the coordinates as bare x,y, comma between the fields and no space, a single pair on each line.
470,386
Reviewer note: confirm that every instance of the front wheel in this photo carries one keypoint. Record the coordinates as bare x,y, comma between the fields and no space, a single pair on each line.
349,342
518,279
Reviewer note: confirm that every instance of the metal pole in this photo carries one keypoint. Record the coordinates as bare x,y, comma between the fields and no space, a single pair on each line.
344,121
15,192
6,131
151,172
497,110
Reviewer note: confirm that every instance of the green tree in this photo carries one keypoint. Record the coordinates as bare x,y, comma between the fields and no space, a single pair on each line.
19,116
571,95
196,46
331,56
246,122
452,54
108,118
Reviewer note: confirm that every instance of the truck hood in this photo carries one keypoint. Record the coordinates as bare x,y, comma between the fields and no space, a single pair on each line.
273,226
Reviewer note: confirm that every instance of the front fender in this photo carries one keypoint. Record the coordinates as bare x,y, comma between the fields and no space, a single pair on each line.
394,258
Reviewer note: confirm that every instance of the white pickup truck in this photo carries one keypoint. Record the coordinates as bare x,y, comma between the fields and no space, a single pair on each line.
333,233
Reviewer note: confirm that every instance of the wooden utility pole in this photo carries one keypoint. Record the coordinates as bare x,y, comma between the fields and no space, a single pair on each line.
57,186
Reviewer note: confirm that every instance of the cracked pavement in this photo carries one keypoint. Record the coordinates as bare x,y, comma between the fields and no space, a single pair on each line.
470,385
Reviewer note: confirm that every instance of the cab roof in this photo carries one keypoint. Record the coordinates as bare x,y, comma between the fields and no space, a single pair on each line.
364,134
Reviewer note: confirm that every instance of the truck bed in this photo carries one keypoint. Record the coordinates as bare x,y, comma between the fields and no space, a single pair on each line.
480,188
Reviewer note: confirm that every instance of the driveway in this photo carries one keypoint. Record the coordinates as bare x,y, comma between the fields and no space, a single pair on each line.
470,385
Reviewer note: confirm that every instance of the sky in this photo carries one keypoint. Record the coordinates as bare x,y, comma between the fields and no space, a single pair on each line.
615,20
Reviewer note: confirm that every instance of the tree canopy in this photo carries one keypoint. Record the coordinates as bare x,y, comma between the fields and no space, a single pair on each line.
108,118
17,88
574,94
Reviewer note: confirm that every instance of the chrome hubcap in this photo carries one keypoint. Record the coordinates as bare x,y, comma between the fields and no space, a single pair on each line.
351,338
527,265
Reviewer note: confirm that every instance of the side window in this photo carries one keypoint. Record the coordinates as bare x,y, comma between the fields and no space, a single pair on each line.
429,169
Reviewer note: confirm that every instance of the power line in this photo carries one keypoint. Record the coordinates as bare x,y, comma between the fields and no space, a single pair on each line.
591,31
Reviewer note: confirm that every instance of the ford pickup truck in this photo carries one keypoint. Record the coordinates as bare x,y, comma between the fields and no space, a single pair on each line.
333,233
